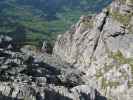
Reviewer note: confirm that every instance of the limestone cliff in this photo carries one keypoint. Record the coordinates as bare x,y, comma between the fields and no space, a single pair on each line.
102,46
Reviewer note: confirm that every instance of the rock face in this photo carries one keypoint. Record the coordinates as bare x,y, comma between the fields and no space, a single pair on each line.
6,42
30,75
46,47
91,61
101,46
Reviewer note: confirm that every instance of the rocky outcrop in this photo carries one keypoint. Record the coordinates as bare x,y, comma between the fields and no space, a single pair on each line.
6,42
31,75
101,46
47,47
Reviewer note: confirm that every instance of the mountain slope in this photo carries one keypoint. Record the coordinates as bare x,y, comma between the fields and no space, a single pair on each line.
91,61
38,20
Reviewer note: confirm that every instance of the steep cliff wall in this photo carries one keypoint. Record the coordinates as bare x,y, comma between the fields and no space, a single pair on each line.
102,47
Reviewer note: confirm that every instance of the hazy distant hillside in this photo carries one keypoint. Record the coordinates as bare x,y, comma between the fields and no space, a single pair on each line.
36,20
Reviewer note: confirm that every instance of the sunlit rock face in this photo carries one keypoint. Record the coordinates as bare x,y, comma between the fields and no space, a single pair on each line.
101,46
30,75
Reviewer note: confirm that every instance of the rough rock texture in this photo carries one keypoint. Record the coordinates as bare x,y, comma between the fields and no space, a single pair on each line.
101,46
95,56
31,75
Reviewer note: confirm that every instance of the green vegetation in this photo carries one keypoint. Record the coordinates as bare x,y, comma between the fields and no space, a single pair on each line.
123,1
99,74
118,56
124,19
38,20
111,84
129,1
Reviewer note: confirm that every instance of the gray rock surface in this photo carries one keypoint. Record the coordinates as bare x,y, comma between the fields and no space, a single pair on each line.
30,75
91,61
102,49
